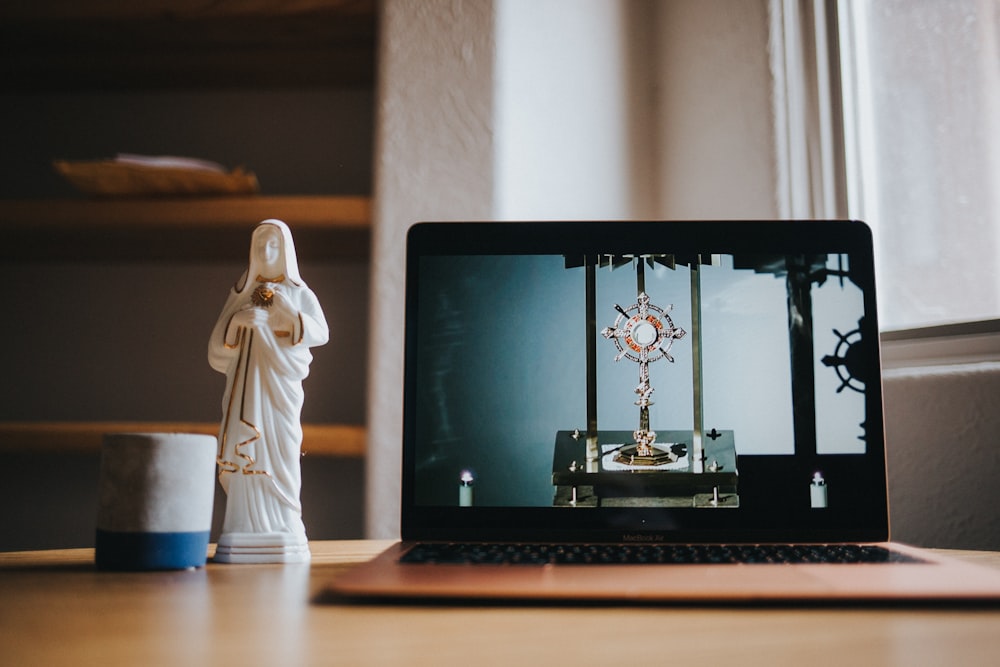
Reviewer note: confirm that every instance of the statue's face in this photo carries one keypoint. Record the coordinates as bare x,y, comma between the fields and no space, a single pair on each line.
268,246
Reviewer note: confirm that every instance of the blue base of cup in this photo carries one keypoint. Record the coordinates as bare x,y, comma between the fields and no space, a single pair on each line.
150,551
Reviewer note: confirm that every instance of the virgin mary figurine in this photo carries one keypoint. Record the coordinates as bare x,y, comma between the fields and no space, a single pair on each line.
261,342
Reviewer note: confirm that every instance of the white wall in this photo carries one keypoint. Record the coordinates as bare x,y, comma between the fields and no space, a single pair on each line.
562,110
433,161
714,130
625,108
941,431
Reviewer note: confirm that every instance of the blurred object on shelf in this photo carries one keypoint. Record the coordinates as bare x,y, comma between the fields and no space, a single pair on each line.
142,176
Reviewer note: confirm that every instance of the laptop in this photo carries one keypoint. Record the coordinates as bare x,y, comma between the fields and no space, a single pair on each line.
647,412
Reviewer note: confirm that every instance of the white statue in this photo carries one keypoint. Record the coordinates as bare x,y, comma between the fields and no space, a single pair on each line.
261,342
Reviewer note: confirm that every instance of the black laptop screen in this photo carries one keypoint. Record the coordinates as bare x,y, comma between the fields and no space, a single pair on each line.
652,380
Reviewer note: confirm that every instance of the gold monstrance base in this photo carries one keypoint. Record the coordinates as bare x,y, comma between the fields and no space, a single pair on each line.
630,456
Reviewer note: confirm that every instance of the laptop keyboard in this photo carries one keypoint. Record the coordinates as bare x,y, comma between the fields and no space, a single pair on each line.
679,554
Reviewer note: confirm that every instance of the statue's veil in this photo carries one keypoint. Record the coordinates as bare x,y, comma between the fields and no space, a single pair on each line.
288,256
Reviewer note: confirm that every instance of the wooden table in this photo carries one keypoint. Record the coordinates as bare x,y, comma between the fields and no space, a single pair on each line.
56,609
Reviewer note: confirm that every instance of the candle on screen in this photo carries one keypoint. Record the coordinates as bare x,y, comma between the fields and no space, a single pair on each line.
465,494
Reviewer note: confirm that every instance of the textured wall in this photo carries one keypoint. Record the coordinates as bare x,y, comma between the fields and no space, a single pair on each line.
942,426
565,103
433,161
714,129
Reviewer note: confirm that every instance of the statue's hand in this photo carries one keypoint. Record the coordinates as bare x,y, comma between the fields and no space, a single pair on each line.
281,303
251,318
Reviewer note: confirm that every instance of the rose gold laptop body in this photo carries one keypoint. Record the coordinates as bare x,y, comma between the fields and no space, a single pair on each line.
527,345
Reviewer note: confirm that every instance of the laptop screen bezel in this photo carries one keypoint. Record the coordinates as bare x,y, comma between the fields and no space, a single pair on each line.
603,524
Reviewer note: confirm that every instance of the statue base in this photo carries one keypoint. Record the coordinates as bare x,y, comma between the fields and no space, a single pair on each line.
262,548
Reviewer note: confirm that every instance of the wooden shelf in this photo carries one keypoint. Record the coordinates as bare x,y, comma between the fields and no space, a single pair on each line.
111,46
186,229
318,439
54,45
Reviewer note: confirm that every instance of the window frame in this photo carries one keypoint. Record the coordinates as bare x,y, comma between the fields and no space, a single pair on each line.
820,152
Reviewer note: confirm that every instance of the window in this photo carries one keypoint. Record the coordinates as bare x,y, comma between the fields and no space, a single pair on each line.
921,87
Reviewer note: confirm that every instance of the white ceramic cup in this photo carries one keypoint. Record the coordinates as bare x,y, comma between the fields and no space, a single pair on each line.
156,492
